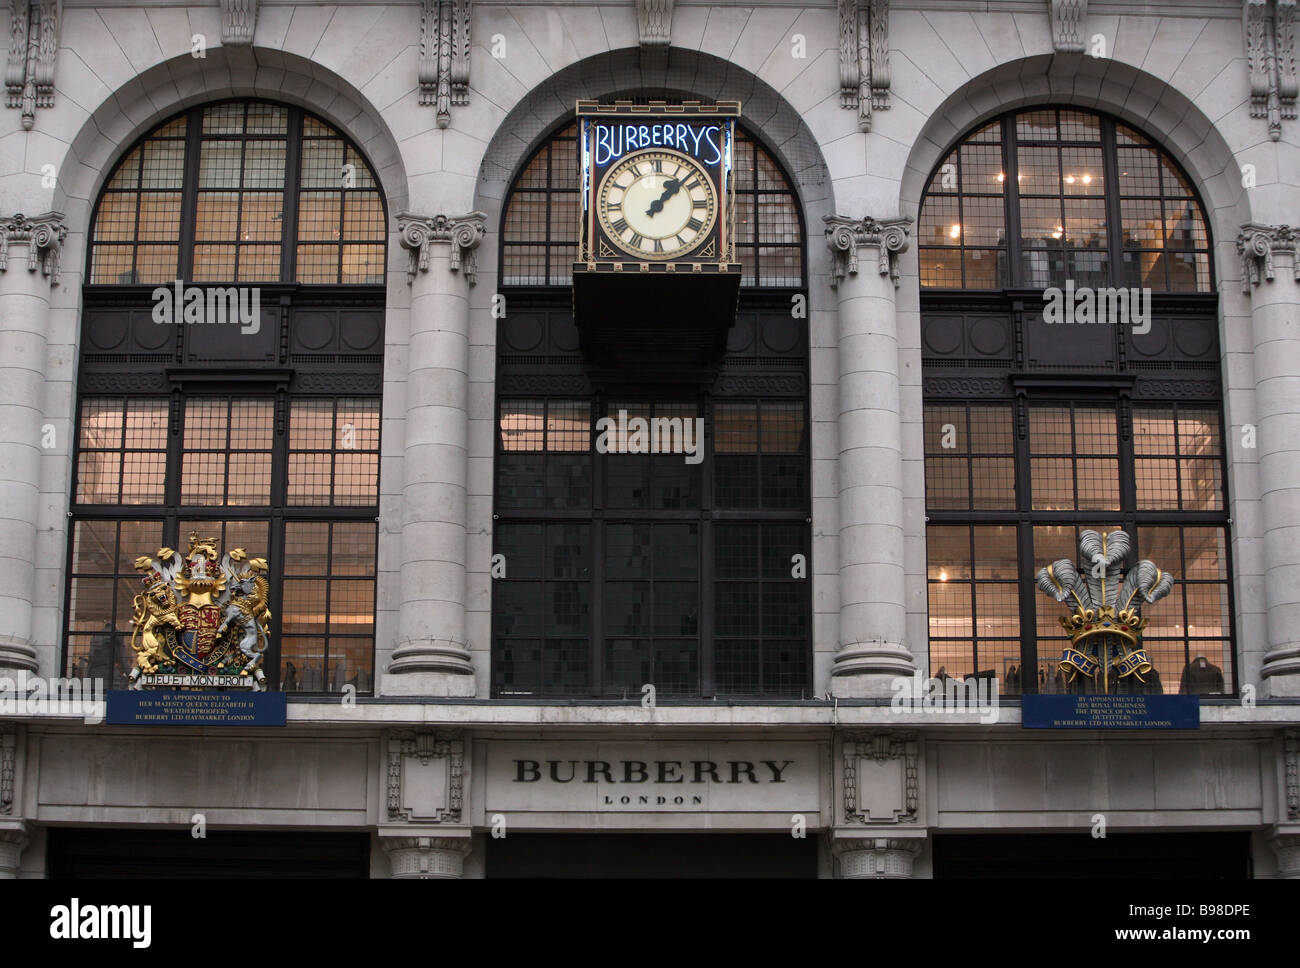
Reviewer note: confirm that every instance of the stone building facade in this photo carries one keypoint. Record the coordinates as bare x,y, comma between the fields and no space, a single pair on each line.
449,719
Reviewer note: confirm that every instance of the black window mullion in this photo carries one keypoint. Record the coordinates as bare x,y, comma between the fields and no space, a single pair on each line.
189,195
289,207
1011,192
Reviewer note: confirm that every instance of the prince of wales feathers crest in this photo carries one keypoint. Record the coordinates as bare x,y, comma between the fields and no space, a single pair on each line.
201,619
1105,653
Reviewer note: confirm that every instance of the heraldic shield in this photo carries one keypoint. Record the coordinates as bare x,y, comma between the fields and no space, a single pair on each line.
201,620
1105,654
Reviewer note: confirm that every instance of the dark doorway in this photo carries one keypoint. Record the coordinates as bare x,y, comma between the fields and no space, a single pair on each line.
651,855
106,852
1180,855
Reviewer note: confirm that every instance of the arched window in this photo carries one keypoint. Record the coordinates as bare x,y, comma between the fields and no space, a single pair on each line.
243,191
230,381
1093,200
1071,380
626,569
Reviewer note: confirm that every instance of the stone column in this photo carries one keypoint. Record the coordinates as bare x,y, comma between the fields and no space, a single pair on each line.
1270,266
29,265
13,838
879,858
872,610
421,858
431,658
1287,849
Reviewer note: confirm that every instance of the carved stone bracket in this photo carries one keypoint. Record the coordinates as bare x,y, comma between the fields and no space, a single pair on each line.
881,778
42,234
1268,27
1256,244
864,58
844,235
238,22
654,22
1068,17
425,777
444,55
462,232
33,48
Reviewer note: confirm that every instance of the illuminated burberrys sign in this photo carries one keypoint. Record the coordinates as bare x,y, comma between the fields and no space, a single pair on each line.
705,142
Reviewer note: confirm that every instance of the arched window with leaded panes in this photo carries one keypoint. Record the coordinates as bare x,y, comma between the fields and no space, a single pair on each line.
1071,366
229,382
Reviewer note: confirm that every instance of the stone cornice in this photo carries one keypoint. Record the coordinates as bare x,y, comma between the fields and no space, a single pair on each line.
42,234
462,232
844,235
1256,244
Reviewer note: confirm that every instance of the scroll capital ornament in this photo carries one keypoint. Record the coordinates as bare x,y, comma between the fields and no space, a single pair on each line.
462,232
42,234
1256,245
844,235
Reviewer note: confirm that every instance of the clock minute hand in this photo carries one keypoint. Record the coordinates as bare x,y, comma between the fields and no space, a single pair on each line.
671,187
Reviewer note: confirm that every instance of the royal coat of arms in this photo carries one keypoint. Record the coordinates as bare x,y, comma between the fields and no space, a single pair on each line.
201,619
1105,654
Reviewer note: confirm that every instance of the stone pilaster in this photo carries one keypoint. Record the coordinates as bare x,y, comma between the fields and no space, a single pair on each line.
421,858
872,612
1270,267
431,657
879,858
29,265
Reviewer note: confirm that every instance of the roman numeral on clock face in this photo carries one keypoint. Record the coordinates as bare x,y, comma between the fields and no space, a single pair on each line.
699,203
619,226
659,246
695,224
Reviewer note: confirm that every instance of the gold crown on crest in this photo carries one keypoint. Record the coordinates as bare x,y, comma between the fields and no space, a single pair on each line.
1086,623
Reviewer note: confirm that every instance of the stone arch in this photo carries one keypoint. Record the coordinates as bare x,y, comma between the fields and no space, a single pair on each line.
169,87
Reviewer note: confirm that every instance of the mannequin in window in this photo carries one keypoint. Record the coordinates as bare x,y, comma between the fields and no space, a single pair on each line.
1201,676
290,681
1013,679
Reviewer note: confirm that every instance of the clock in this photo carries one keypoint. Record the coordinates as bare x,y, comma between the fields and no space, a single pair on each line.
657,205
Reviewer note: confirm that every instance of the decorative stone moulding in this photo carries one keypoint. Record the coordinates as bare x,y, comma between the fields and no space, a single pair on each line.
42,234
1268,27
844,235
33,48
462,232
444,55
1256,244
864,58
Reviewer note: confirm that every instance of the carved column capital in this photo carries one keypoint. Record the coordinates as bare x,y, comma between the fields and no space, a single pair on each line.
1068,18
42,234
844,235
1256,245
13,838
462,232
426,857
877,857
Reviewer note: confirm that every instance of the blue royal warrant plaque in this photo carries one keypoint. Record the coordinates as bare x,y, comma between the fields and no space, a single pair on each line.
140,708
1110,712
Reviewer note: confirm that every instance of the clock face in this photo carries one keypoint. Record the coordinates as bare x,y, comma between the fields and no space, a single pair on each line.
657,205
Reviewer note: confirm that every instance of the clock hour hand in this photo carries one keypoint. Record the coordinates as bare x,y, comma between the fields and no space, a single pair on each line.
671,187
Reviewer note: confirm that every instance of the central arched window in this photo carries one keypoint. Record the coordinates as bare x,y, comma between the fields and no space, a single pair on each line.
628,569
254,418
1044,416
